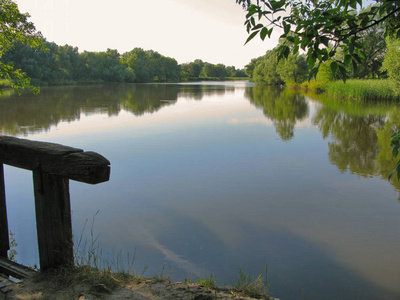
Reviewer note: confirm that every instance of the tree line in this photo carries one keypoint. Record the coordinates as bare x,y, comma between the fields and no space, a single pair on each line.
51,64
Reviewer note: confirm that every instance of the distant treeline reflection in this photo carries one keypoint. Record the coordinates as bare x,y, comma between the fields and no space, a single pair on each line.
22,115
358,133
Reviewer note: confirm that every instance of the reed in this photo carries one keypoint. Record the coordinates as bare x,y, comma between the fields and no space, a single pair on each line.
367,90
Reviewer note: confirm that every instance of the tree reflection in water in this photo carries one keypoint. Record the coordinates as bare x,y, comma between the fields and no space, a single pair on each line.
283,107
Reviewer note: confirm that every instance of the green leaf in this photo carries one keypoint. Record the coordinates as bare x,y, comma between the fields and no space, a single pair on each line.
283,52
311,61
263,33
286,27
314,72
396,170
351,48
258,26
343,72
355,65
324,40
361,54
353,4
295,49
252,36
334,67
347,60
270,31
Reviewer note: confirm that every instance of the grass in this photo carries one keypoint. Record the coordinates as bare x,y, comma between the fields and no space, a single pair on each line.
249,285
368,90
355,89
246,285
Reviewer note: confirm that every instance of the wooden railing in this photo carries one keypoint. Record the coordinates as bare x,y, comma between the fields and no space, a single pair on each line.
52,166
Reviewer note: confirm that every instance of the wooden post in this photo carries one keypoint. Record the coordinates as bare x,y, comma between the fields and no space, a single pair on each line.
4,239
52,166
53,220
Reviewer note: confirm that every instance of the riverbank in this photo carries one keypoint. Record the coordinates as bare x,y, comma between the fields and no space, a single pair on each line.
61,287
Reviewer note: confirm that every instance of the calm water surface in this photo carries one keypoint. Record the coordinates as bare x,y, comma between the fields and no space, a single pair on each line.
213,177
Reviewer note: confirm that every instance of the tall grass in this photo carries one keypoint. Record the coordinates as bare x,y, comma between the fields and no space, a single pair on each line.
357,89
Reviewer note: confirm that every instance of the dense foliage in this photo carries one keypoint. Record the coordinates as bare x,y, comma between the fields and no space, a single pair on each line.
321,28
391,62
267,69
57,65
14,26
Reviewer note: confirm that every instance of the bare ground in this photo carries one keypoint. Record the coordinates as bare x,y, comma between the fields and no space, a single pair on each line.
45,288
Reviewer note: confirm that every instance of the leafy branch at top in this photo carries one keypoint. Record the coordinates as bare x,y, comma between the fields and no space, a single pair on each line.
14,26
320,27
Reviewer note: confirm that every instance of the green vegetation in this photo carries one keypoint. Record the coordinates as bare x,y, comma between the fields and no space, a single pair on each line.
208,282
27,61
369,55
15,27
391,62
64,65
323,29
368,90
249,285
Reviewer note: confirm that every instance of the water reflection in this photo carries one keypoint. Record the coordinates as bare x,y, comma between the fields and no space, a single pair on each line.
359,136
207,186
284,107
22,115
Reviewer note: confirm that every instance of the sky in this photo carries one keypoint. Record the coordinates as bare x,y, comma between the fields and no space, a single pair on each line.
210,30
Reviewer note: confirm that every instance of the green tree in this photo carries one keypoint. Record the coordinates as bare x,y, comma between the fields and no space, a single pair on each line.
139,62
391,63
321,27
265,70
209,70
294,69
220,71
231,71
374,47
251,65
14,26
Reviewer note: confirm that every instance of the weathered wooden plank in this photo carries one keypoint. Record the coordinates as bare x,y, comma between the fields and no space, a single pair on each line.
27,154
88,167
53,220
72,163
4,239
8,267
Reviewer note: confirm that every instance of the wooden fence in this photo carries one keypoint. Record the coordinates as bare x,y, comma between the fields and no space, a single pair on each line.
52,166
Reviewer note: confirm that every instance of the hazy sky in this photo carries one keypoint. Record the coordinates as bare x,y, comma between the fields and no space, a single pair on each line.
211,30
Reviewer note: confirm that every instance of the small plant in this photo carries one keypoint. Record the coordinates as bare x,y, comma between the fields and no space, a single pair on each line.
208,282
162,277
189,280
251,286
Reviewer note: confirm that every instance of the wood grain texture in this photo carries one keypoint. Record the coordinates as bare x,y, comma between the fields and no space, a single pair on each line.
53,220
56,159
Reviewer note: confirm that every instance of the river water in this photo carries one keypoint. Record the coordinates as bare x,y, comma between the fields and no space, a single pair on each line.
213,177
